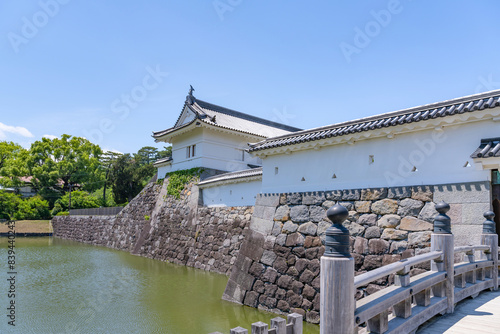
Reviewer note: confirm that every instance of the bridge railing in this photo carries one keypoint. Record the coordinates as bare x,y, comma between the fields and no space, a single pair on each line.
404,306
410,301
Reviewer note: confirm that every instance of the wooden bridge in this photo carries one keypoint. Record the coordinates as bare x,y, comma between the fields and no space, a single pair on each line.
411,302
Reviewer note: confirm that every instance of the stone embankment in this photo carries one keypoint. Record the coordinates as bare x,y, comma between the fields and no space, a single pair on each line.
278,265
271,251
163,227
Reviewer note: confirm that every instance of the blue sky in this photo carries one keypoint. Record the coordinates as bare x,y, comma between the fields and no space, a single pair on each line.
113,72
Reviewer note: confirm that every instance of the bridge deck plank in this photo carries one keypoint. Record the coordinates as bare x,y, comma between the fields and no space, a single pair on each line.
479,315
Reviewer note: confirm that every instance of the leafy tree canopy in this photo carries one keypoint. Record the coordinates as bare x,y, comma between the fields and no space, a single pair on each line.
57,163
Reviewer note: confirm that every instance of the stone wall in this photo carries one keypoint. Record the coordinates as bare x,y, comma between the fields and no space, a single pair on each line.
163,227
278,265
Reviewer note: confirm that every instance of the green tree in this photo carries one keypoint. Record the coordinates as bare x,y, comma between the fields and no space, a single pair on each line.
167,152
8,151
107,160
146,155
9,203
128,177
10,155
60,163
79,200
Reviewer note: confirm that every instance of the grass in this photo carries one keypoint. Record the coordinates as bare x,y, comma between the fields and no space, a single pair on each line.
29,226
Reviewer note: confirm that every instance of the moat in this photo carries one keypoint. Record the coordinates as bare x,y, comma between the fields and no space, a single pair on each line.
69,287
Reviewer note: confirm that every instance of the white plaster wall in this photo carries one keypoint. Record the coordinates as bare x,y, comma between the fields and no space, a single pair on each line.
162,171
235,194
217,150
438,155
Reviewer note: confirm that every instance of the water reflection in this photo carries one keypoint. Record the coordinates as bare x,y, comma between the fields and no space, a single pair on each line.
69,287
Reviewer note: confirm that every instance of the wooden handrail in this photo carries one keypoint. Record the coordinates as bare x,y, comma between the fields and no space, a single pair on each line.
471,248
403,265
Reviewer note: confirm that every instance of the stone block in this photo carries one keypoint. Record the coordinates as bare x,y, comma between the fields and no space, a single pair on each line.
322,227
352,217
393,234
327,204
472,213
390,258
280,265
334,195
398,247
294,199
378,246
372,262
385,206
317,213
362,206
251,299
361,245
351,195
348,205
455,213
308,228
372,232
399,192
419,239
264,212
354,228
295,239
282,213
233,292
389,221
367,219
299,214
422,193
474,192
277,226
282,199
467,234
410,207
267,200
268,257
290,227
415,224
313,198
263,226
253,246
270,275
373,194
428,212
281,239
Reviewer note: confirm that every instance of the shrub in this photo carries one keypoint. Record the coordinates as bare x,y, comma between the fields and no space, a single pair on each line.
63,213
33,208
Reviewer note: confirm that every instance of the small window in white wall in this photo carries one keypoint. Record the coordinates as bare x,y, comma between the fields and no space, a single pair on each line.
467,164
415,169
276,170
190,151
371,159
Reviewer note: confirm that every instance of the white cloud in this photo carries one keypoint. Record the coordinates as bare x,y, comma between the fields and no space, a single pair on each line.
50,136
17,130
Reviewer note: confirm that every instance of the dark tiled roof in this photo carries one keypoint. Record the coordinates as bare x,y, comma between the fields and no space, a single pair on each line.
489,148
229,119
416,114
232,175
162,160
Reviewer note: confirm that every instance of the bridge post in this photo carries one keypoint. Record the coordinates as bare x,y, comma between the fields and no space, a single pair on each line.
442,239
490,238
337,302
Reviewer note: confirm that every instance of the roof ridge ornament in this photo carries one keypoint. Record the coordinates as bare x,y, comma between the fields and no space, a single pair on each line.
190,98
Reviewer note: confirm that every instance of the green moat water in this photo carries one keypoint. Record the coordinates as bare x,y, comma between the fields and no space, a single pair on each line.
69,287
